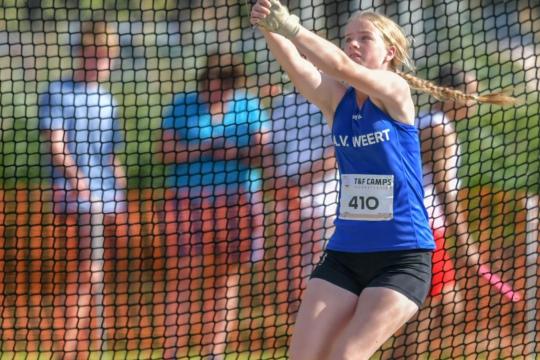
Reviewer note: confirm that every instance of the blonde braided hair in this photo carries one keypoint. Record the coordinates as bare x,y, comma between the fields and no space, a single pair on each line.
444,93
393,35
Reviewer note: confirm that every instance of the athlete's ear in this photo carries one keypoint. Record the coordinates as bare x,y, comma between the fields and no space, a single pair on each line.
390,53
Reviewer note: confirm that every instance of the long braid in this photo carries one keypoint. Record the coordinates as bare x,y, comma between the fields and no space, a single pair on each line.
443,93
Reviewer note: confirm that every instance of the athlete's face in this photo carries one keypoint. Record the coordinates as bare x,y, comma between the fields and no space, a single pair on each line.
364,44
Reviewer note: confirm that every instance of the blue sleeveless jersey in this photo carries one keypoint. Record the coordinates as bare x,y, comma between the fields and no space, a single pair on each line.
381,205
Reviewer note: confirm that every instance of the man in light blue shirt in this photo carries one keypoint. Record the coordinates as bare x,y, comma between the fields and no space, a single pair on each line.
79,125
79,119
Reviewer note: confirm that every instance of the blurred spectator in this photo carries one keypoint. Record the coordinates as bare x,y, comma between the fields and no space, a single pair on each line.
444,311
213,140
78,120
305,193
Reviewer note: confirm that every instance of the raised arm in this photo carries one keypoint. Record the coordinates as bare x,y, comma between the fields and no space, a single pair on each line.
384,87
375,79
323,91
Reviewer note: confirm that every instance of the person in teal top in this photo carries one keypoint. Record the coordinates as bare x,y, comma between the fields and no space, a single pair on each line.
191,119
213,147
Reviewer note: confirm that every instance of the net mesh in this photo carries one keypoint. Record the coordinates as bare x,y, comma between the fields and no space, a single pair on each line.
165,192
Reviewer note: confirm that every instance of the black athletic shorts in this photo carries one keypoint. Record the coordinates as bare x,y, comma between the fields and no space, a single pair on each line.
408,272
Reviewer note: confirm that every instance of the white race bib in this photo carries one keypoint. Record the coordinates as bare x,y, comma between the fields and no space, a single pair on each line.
366,197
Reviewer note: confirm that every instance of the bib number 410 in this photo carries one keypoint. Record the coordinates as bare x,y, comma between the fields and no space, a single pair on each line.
364,203
366,197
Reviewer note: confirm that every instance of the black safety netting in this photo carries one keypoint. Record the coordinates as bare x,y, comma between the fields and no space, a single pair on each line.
165,192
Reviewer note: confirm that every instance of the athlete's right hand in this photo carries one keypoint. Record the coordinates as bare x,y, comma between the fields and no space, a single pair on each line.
272,16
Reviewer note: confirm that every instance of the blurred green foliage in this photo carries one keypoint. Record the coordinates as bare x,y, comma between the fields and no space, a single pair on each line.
499,146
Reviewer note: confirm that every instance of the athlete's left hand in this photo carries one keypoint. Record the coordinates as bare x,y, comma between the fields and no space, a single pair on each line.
272,16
